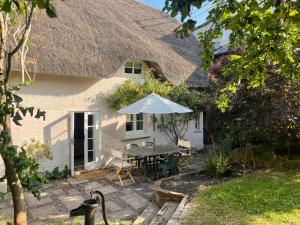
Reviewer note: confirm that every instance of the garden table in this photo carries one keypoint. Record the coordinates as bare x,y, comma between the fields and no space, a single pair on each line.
148,151
149,154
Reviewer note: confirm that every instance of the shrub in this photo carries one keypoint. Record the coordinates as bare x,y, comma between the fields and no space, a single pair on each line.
258,156
37,150
216,163
226,144
57,174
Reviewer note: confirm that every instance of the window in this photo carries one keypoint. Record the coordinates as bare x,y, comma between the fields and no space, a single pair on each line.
134,122
134,68
197,122
91,137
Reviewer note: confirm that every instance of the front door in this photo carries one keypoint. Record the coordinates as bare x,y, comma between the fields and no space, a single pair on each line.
84,138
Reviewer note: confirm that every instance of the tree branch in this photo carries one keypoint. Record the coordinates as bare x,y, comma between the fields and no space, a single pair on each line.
20,44
3,36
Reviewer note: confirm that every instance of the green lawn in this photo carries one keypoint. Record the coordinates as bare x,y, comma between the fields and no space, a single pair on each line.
262,198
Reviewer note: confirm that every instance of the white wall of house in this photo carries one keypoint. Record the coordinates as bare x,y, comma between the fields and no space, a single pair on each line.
59,95
193,134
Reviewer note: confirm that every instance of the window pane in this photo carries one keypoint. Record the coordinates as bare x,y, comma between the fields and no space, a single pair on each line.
91,156
137,71
128,70
129,64
90,144
90,120
138,65
139,125
90,132
129,118
197,123
129,126
139,116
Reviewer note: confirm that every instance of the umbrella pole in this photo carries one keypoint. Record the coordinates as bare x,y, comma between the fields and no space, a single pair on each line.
153,118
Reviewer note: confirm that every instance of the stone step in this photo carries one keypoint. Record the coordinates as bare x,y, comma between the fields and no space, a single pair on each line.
164,214
184,208
147,215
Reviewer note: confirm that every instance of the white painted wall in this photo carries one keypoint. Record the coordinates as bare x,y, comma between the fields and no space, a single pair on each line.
58,95
192,135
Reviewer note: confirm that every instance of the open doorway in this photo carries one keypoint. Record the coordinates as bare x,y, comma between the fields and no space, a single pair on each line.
84,140
78,141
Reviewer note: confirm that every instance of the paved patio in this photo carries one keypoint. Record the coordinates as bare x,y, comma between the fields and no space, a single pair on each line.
59,197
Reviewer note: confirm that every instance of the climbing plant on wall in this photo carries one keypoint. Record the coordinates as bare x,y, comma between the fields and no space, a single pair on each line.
173,125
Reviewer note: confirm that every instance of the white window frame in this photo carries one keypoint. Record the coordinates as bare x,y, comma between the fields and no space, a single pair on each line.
133,67
134,121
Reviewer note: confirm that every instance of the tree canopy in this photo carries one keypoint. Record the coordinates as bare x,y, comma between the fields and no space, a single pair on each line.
264,39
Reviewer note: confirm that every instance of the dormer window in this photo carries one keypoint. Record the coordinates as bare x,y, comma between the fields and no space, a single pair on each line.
133,68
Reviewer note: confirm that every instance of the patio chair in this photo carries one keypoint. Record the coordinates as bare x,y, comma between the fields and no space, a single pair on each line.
130,146
135,159
169,165
150,168
185,150
147,144
121,164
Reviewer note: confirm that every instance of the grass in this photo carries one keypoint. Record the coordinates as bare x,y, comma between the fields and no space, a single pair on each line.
262,198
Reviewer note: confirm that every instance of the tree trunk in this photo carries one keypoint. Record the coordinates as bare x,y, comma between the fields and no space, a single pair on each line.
15,186
14,183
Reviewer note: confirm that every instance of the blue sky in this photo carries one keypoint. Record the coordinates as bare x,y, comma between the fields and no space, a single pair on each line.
199,15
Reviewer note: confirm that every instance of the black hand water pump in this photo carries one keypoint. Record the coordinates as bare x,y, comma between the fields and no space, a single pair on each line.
88,208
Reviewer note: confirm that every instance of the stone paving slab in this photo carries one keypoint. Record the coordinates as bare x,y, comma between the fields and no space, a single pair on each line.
48,211
108,190
59,197
73,181
123,214
92,186
135,200
58,192
33,201
73,191
7,212
71,202
112,206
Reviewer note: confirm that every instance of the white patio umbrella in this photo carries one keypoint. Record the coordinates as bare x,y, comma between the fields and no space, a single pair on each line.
154,104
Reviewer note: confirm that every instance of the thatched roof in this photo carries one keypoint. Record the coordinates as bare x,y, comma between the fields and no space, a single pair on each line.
94,38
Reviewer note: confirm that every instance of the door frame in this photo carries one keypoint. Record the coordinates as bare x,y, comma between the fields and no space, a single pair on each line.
97,162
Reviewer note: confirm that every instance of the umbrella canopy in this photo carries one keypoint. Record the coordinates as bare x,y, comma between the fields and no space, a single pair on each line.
154,104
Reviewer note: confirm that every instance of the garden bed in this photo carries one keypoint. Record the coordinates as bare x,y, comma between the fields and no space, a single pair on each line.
191,183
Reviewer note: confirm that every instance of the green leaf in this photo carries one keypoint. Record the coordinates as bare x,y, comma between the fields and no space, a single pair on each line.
42,3
293,12
40,114
5,5
23,111
30,110
16,118
51,11
17,98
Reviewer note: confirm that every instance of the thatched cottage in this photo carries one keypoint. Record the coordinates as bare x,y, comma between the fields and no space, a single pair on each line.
91,49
